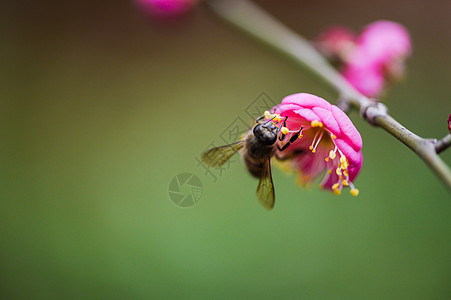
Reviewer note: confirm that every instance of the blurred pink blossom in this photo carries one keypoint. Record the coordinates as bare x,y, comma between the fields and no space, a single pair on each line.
166,8
449,123
385,42
328,143
377,57
335,42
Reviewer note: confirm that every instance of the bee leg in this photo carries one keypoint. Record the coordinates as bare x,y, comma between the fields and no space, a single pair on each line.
292,139
256,121
282,136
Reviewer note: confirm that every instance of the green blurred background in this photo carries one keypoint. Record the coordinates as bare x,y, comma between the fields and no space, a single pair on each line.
101,108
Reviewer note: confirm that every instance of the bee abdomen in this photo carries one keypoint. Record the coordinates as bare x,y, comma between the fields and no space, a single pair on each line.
256,167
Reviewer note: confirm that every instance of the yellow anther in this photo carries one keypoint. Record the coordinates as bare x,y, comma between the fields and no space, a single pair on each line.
332,154
300,135
313,150
345,182
267,115
333,136
354,192
310,147
316,123
343,159
329,171
337,192
275,117
335,186
338,171
345,173
326,159
344,163
284,130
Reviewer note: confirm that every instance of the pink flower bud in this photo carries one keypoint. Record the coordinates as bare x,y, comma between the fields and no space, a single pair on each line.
165,8
377,56
329,143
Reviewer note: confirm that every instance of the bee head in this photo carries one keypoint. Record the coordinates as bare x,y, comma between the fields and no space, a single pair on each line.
266,133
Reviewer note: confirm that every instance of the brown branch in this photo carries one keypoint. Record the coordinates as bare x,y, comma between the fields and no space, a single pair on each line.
252,20
443,144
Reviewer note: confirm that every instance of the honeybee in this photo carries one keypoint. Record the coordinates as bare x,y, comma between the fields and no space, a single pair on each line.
257,147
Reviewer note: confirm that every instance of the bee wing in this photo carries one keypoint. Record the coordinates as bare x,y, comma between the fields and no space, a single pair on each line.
216,157
265,189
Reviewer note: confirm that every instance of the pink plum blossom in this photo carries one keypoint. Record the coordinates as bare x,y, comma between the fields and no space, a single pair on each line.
364,75
166,8
335,42
329,143
384,42
377,57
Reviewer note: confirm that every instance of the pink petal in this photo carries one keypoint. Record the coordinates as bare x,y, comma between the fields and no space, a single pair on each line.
347,128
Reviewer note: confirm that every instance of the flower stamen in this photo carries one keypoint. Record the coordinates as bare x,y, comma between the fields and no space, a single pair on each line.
317,142
332,153
316,123
314,141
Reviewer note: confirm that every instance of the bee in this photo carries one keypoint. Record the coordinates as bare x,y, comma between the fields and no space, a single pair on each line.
257,147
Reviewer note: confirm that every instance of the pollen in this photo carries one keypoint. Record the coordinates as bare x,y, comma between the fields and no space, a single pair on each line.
343,159
332,154
276,117
300,136
329,171
337,192
335,186
333,136
326,159
344,163
284,130
316,123
354,192
345,182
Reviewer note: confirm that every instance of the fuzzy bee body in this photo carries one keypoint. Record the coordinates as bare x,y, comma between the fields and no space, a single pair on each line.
257,148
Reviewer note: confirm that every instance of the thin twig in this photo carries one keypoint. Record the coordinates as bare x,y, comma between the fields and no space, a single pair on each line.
443,144
254,21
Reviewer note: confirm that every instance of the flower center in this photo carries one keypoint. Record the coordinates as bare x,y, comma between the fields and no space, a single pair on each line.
335,161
